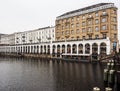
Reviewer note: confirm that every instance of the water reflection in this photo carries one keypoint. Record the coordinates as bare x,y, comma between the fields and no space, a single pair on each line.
24,74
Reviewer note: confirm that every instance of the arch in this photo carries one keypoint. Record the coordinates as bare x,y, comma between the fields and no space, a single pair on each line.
74,48
87,48
37,49
34,49
63,48
95,48
53,47
41,49
58,50
68,48
48,49
103,48
44,49
28,49
80,48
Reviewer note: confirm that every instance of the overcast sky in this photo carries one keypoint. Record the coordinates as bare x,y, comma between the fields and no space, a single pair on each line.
23,15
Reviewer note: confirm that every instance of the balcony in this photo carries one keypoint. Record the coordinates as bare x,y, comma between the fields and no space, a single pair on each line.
89,32
104,14
67,35
103,31
90,17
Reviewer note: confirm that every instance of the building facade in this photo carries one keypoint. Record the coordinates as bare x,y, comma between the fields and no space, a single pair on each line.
92,22
8,39
77,34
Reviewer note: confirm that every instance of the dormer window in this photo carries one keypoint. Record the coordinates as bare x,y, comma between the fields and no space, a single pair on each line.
89,15
96,14
83,17
104,12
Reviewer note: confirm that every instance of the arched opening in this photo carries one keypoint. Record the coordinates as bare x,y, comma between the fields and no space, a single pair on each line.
103,48
68,48
80,48
95,48
63,48
87,48
20,50
41,49
34,49
94,52
37,49
58,50
53,50
48,49
74,48
31,49
44,49
28,49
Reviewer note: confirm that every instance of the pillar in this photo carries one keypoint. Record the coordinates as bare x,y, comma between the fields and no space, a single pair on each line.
98,49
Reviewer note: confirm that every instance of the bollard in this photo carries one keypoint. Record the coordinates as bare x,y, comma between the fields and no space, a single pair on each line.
96,89
105,75
108,66
108,89
111,76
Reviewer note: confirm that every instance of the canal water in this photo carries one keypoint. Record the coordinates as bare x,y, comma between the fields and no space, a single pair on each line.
24,74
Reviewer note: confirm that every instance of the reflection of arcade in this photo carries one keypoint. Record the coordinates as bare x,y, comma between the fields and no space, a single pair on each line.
94,56
114,46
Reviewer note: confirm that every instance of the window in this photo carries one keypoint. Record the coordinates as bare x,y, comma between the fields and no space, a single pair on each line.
114,11
72,38
114,27
89,29
96,29
62,27
62,21
67,20
96,14
104,19
104,36
83,17
90,36
96,21
57,33
72,31
72,25
104,12
115,36
89,15
67,32
77,25
77,31
89,22
83,37
77,18
23,40
62,33
104,27
23,36
78,37
83,23
83,30
96,36
67,26
72,19
114,19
